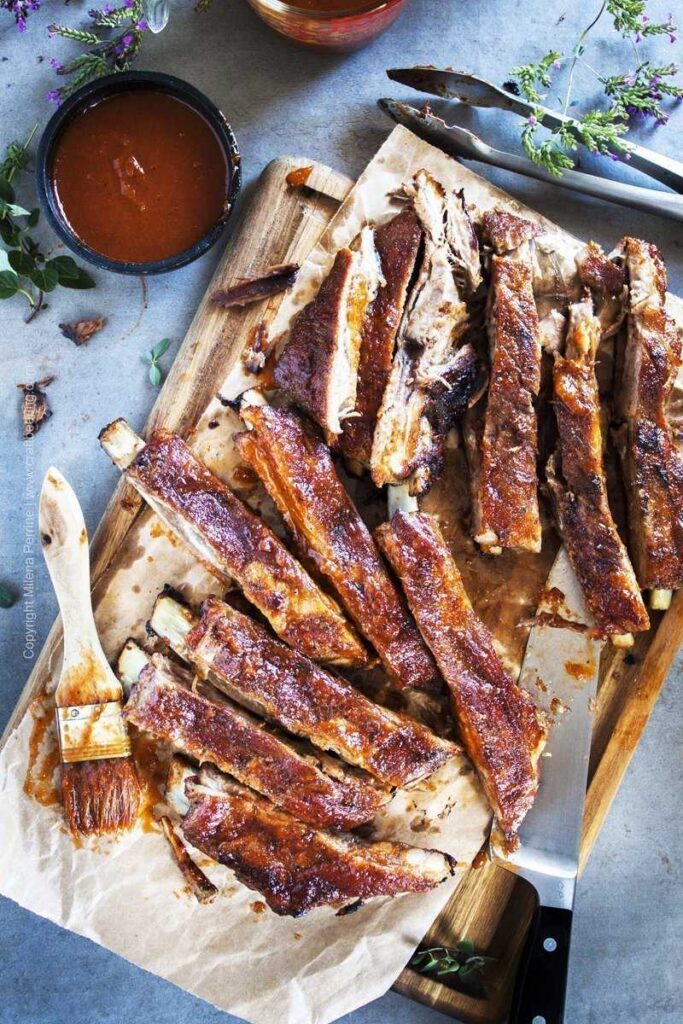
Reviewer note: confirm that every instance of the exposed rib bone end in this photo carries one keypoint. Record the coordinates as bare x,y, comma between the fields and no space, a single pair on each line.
121,443
172,621
130,664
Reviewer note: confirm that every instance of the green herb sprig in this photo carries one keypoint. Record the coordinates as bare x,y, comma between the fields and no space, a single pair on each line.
153,357
24,268
462,959
637,94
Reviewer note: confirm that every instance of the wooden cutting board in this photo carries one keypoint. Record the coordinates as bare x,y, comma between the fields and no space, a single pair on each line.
491,907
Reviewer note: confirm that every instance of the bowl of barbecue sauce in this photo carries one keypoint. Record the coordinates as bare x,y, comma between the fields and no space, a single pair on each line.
138,173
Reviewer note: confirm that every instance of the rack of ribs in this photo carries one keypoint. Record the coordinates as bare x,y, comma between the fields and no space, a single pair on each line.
318,367
576,476
652,465
398,244
251,667
295,867
433,372
299,474
233,541
502,447
163,705
497,720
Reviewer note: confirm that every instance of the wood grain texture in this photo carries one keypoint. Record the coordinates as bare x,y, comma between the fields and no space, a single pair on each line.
491,907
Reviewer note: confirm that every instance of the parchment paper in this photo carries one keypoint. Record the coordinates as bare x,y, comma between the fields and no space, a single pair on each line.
128,895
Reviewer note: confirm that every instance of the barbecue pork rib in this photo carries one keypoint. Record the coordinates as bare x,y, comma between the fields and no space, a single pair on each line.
502,447
319,365
298,473
498,722
576,477
235,742
233,541
254,669
295,867
430,358
397,243
652,465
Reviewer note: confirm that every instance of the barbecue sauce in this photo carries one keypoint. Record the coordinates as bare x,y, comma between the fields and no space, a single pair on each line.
140,176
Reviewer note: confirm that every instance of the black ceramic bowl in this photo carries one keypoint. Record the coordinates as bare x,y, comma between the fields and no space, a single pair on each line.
113,85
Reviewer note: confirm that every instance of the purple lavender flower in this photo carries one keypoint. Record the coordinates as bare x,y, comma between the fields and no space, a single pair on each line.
142,25
53,96
531,121
55,64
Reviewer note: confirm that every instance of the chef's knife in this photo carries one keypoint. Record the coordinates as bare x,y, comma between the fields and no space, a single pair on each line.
560,669
477,92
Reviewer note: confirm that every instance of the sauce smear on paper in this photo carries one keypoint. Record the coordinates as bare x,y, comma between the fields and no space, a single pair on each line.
140,176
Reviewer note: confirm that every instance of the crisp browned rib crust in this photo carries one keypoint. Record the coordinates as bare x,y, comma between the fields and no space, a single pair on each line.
258,671
397,244
407,445
300,477
233,540
296,868
319,366
576,475
236,743
653,468
497,720
506,231
505,498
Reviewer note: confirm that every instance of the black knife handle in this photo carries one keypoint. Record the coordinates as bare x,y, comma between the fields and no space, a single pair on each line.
541,982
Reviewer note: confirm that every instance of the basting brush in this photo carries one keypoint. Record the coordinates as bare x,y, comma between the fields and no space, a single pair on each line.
100,786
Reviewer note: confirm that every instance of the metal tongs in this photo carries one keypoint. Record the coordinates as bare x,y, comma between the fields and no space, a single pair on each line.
460,142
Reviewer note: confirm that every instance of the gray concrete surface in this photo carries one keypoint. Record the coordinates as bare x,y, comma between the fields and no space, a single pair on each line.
626,954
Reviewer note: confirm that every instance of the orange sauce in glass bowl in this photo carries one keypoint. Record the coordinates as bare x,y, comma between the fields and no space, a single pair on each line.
140,176
329,24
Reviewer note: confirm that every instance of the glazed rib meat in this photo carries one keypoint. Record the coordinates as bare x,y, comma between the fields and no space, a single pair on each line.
294,867
653,467
397,243
576,475
408,445
236,743
497,720
298,473
503,452
251,667
319,365
228,536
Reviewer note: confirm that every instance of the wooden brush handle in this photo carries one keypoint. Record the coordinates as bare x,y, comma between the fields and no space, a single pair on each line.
86,677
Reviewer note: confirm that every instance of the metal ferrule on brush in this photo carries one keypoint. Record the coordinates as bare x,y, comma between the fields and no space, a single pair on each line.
92,732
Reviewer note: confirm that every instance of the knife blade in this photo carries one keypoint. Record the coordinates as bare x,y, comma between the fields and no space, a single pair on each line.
560,667
477,92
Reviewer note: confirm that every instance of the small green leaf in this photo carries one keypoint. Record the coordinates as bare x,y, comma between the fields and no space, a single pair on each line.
46,278
17,211
82,280
10,234
6,191
22,263
66,267
9,284
4,260
451,968
7,598
33,218
155,375
160,348
465,946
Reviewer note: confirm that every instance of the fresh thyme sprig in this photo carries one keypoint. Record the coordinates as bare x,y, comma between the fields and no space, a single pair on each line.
24,268
637,93
462,960
153,357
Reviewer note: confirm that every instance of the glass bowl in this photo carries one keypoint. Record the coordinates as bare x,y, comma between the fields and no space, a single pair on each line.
343,25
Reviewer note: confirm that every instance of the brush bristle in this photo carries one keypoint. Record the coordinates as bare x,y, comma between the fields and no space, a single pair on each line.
100,796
